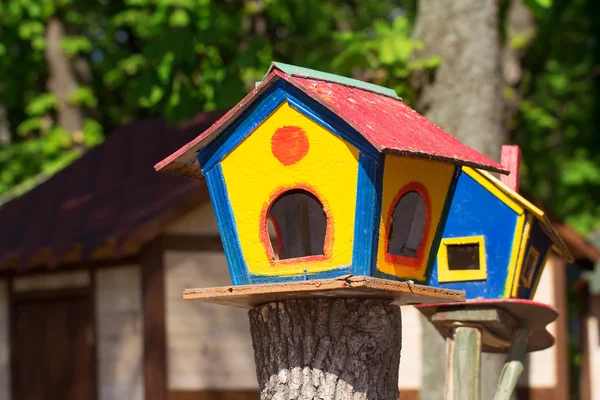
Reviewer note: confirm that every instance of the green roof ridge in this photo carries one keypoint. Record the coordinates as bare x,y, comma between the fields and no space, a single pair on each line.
326,76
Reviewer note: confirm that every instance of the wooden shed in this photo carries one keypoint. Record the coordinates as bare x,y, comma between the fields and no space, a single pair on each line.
92,267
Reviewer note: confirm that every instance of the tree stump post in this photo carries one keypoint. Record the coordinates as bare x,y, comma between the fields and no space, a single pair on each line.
327,349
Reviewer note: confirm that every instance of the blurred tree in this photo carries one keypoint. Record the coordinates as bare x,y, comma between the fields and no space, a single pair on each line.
70,71
464,97
558,115
129,59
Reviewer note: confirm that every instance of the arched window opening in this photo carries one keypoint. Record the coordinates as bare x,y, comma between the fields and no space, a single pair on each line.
407,225
299,223
273,238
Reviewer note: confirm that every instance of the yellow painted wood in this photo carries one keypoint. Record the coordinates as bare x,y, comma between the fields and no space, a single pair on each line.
400,171
253,176
522,247
539,278
514,255
496,187
447,275
519,204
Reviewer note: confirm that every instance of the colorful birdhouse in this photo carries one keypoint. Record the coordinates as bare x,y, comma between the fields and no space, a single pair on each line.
495,242
314,175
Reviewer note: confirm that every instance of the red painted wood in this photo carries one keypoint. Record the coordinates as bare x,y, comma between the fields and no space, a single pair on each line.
289,144
387,123
510,160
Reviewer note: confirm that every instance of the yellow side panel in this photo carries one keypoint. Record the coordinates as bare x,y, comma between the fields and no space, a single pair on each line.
402,174
255,176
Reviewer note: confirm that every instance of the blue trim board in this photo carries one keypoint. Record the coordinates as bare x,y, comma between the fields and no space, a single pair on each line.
250,119
367,214
332,273
539,240
226,223
329,120
436,239
262,107
435,246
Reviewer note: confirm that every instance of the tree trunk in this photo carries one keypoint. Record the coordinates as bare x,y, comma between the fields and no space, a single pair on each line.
5,135
327,349
465,98
62,81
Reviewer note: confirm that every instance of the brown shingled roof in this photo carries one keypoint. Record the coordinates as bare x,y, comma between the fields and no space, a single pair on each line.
107,204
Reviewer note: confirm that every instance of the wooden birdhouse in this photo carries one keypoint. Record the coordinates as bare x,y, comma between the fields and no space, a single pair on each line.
314,175
495,242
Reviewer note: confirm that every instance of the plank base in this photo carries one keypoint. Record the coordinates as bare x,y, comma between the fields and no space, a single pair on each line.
348,286
499,332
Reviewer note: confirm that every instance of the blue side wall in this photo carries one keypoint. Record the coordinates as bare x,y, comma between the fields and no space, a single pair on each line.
475,211
541,242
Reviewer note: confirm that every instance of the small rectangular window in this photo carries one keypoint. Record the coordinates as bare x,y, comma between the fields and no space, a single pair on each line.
529,267
462,259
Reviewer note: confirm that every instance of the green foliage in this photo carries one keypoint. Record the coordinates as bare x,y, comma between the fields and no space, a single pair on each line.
172,58
385,52
559,115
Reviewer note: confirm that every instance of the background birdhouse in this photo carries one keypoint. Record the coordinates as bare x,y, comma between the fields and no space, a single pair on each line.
314,175
495,242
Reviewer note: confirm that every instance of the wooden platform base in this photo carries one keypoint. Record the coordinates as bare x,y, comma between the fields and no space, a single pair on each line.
498,319
401,293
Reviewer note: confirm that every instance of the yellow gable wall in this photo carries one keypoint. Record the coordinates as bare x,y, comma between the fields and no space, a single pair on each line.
399,172
253,175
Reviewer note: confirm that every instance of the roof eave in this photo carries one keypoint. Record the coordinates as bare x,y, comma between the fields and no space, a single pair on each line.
184,162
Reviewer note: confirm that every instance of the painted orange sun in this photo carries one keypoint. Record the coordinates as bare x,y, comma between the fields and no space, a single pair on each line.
289,144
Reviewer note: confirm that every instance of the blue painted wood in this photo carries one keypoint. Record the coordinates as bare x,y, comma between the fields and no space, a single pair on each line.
227,228
332,273
250,119
330,121
542,243
366,220
475,211
383,275
262,107
442,224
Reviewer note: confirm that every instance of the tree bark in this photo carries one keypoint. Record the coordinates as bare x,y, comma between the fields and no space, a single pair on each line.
5,135
62,81
520,32
465,98
327,349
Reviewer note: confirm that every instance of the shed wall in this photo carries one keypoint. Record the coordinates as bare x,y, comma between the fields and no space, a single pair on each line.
4,342
119,334
593,345
209,346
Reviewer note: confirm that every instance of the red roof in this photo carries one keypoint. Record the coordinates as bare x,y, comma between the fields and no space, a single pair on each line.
386,122
109,201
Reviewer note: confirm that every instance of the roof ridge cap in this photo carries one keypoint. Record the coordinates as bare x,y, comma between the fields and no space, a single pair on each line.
313,74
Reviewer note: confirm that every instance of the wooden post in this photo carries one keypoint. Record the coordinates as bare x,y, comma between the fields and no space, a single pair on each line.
327,349
514,365
466,363
449,379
